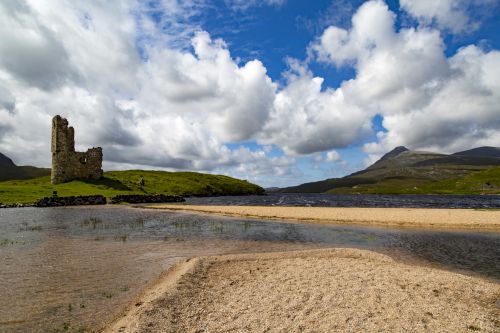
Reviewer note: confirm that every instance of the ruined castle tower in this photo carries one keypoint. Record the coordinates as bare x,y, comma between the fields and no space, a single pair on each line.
68,164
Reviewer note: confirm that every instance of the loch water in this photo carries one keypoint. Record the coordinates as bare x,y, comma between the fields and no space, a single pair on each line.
355,200
75,268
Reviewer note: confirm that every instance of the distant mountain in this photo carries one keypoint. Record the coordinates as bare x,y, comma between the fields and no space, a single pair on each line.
481,151
313,187
272,189
5,161
405,171
10,171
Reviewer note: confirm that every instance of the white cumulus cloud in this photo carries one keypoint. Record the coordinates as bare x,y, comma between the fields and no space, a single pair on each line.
452,15
428,101
306,119
333,156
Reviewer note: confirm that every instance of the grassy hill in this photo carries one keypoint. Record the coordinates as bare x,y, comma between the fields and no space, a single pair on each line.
405,171
127,182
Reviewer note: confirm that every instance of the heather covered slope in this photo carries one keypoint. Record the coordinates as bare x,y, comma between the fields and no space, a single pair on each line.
127,182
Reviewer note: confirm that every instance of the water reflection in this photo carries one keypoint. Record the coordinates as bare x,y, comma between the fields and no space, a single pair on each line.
73,268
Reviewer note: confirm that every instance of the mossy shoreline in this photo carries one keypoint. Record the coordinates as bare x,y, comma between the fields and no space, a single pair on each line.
129,182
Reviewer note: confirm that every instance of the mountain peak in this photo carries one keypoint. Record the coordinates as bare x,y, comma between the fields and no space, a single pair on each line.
5,161
395,152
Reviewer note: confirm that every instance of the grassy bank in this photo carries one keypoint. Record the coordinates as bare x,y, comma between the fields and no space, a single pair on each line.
127,182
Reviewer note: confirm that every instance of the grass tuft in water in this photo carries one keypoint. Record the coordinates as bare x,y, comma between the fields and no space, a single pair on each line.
26,227
91,222
106,295
122,238
137,223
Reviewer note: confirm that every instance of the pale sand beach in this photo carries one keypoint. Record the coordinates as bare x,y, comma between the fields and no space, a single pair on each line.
390,217
333,290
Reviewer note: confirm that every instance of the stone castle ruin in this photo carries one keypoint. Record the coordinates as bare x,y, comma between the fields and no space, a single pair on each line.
68,164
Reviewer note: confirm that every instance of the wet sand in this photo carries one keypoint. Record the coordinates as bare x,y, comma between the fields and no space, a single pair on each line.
333,290
488,220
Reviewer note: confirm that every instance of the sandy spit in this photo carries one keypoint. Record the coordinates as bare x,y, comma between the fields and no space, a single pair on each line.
389,217
334,290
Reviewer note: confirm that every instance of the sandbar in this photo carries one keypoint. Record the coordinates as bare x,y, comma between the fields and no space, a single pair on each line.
488,220
330,290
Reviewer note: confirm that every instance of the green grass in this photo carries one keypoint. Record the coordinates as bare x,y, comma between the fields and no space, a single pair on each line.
482,182
479,182
385,186
127,182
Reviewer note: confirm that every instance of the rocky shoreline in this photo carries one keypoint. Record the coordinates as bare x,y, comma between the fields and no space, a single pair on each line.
84,200
80,200
139,198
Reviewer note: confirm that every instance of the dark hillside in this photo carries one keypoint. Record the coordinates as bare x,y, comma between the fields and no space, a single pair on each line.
5,161
10,171
481,151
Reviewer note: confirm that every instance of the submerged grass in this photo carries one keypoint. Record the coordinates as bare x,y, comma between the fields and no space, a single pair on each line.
128,182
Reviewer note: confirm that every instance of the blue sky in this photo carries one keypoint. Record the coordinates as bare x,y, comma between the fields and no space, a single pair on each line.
278,92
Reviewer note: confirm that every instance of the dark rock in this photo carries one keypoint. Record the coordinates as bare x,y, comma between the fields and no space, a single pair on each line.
56,201
140,198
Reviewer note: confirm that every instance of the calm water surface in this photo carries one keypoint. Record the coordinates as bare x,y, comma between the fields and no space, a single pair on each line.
74,269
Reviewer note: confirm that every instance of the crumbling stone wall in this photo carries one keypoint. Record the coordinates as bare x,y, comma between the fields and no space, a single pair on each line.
68,164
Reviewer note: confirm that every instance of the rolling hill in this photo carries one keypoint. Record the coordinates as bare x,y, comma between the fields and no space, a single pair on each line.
10,171
404,171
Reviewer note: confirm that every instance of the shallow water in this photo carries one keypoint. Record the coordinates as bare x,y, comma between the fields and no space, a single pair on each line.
74,269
